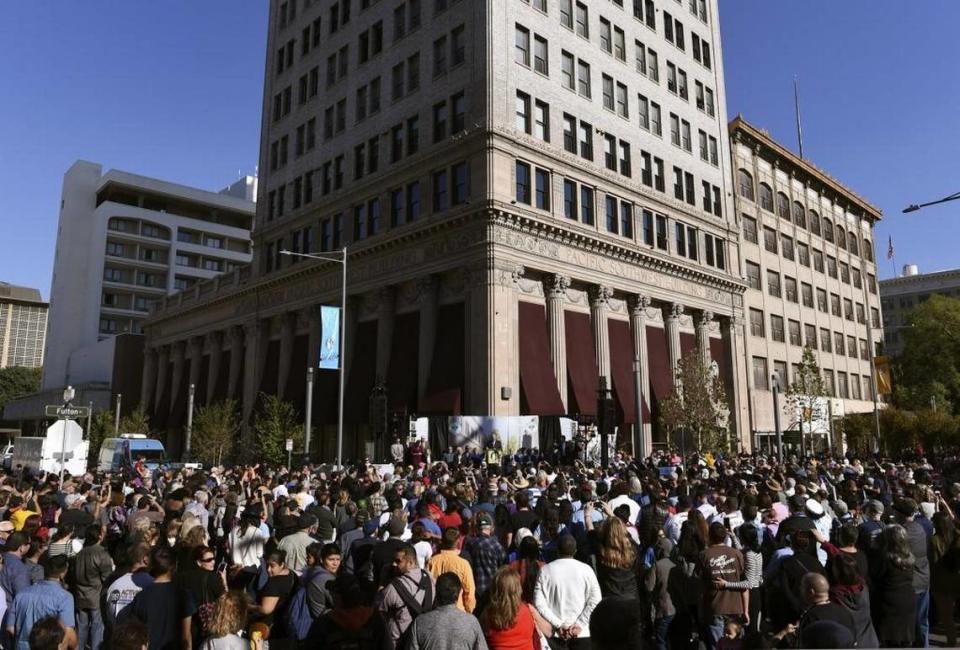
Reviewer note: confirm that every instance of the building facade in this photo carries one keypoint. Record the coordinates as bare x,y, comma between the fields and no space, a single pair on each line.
530,195
900,296
23,326
123,242
809,261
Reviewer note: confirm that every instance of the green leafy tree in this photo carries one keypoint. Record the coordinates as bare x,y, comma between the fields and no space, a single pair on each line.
101,427
928,370
697,407
215,430
17,381
136,421
806,396
275,421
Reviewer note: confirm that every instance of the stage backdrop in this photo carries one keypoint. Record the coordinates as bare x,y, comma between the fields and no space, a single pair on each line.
476,431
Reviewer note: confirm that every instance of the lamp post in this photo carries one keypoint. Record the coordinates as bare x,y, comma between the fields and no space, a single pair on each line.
913,207
775,384
190,395
68,394
640,450
339,257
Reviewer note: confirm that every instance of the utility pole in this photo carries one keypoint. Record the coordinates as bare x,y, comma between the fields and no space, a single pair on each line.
190,394
775,380
116,417
308,424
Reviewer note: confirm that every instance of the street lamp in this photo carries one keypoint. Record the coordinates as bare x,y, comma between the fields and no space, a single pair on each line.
68,394
913,207
775,384
340,257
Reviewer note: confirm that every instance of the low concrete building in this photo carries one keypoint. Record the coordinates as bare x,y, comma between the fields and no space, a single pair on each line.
901,295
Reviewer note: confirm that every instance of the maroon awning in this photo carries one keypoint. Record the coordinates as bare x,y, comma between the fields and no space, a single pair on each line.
444,394
361,374
688,343
718,352
538,382
661,376
403,371
584,376
621,367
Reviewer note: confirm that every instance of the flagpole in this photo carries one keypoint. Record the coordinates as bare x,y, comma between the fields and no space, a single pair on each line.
891,256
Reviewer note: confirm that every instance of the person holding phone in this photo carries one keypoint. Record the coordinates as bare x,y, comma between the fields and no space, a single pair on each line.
204,586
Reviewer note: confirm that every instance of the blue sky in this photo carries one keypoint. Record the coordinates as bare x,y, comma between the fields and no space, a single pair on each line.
173,89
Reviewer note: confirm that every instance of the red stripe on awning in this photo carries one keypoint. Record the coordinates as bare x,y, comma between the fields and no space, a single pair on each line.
621,367
581,363
537,378
688,343
718,352
445,384
661,376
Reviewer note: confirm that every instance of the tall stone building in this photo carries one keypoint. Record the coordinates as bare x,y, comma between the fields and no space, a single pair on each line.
904,293
23,326
809,261
530,193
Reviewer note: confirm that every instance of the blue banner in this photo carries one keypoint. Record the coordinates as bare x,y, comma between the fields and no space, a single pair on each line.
329,337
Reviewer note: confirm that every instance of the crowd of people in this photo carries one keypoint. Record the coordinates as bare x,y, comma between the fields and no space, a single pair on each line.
527,553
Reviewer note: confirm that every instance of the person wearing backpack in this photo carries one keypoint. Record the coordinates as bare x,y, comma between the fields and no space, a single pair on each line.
409,594
351,624
447,627
311,597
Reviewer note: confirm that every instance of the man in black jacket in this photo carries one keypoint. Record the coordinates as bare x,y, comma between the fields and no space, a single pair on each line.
91,568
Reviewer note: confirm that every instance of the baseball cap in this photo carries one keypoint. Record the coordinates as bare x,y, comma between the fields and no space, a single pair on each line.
6,527
484,520
906,507
874,506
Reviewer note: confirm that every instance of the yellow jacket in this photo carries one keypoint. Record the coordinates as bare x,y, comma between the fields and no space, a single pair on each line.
450,561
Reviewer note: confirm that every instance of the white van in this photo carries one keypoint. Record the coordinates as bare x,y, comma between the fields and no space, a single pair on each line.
120,454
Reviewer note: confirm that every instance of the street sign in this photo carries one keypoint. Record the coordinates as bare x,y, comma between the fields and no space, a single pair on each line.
67,412
289,445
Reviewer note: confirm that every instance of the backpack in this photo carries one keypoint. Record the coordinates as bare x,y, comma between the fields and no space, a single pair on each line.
412,605
298,620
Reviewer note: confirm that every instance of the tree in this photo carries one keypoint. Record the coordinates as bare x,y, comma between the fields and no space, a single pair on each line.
17,381
101,427
698,404
806,396
215,430
275,421
136,421
928,370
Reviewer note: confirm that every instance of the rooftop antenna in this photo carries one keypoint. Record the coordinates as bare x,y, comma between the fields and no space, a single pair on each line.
796,105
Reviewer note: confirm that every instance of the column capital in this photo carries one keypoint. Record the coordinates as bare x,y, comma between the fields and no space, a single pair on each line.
427,285
705,319
386,294
638,305
557,285
179,349
214,337
600,296
676,310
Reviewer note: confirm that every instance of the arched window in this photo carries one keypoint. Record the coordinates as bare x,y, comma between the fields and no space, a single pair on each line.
867,250
783,205
853,244
746,184
814,222
799,215
841,236
766,197
827,229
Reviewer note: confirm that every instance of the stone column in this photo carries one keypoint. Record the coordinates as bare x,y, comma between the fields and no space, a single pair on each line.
638,326
704,323
288,322
732,329
428,289
556,291
236,363
385,320
599,303
257,337
195,352
147,383
215,341
179,358
492,357
673,337
163,361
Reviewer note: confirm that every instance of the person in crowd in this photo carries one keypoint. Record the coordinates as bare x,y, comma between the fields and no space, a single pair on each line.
719,562
272,598
753,574
566,593
819,607
448,560
657,583
446,626
894,601
945,571
46,598
849,589
245,545
228,623
295,545
63,541
323,564
125,588
163,606
508,621
485,553
48,634
617,561
616,624
351,624
91,568
406,596
905,510
16,574
203,586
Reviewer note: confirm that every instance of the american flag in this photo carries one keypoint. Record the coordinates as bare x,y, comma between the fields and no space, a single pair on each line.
890,248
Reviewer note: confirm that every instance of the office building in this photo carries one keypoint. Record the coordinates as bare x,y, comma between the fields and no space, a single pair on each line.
809,262
529,193
901,295
23,326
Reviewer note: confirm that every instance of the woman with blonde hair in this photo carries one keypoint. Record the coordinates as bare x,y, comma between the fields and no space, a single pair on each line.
508,623
229,620
617,559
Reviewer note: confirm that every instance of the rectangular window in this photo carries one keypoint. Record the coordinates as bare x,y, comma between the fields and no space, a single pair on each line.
441,191
606,36
522,42
586,141
461,183
541,122
810,336
623,109
773,284
806,292
569,133
583,26
566,70
661,223
566,13
610,203
413,201
569,199
523,183
586,205
522,122
776,328
541,61
542,189
440,121
794,333
756,323
413,135
770,239
607,88
458,50
647,225
583,78
626,219
760,380
619,44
